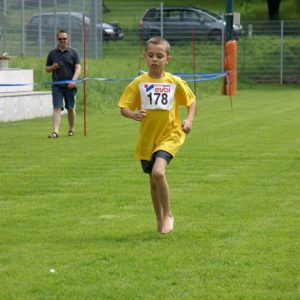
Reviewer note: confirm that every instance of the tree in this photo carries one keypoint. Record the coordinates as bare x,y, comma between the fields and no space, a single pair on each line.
273,8
298,5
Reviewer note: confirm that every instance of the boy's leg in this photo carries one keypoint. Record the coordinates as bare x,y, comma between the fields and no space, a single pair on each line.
158,179
156,204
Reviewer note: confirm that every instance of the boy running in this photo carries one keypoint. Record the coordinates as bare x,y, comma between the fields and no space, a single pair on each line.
153,100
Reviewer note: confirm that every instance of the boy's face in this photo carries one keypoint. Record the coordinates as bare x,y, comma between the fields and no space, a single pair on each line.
156,57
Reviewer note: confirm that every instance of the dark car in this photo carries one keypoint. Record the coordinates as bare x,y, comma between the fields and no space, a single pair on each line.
49,23
183,23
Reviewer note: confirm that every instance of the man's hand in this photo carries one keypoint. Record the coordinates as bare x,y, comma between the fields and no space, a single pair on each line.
71,85
55,66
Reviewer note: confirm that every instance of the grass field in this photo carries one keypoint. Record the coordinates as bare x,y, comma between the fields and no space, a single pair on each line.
81,206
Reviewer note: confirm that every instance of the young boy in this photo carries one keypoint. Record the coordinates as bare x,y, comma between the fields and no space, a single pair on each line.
153,99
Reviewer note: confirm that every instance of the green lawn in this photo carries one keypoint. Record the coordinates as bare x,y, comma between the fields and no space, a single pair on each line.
81,206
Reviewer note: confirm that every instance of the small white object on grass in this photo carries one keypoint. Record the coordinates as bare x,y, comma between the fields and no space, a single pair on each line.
52,271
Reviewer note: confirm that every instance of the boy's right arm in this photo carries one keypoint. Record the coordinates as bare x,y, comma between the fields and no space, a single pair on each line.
138,115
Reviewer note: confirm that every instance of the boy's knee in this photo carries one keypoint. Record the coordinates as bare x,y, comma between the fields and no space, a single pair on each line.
157,174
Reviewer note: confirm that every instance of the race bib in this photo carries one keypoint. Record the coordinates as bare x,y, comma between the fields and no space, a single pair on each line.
157,95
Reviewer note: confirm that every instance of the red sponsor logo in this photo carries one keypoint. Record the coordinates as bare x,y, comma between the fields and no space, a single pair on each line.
162,89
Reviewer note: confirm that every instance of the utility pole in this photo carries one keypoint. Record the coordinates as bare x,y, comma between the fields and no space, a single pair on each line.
230,82
229,20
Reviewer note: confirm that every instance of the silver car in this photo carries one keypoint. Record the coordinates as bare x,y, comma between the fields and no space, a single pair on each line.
50,23
184,23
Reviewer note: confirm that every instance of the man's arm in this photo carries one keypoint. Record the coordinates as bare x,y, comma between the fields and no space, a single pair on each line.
77,72
53,67
72,85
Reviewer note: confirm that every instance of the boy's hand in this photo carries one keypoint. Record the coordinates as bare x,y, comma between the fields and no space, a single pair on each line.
139,115
186,126
134,115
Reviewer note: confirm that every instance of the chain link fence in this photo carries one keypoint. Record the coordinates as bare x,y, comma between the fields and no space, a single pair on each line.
267,51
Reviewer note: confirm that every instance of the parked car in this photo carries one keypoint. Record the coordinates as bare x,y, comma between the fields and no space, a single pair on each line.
181,22
52,22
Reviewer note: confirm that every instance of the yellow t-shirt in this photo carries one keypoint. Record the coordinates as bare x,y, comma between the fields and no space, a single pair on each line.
160,98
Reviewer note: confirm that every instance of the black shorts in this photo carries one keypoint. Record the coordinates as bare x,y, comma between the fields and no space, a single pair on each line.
147,165
61,94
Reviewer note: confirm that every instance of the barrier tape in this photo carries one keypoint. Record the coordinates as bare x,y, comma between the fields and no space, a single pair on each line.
202,76
197,77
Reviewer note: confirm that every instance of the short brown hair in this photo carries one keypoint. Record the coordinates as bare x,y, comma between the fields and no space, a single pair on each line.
61,31
158,40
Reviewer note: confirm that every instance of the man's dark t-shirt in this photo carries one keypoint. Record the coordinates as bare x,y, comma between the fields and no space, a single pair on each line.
67,60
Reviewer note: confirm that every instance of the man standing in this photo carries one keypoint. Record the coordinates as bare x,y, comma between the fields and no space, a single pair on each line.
64,64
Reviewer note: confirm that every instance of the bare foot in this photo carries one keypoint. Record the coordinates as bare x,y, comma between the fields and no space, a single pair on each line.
168,225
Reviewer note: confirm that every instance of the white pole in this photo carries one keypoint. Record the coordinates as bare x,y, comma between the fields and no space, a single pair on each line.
40,29
4,26
222,49
281,51
161,19
23,28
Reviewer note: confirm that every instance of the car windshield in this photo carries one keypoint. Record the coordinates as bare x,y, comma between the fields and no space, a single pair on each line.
212,14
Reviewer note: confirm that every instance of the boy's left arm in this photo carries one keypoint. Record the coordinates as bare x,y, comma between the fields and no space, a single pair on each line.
187,124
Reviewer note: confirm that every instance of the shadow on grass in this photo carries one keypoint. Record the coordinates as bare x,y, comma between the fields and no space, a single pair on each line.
137,237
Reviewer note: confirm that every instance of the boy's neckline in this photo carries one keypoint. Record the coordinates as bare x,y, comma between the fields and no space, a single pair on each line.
157,78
